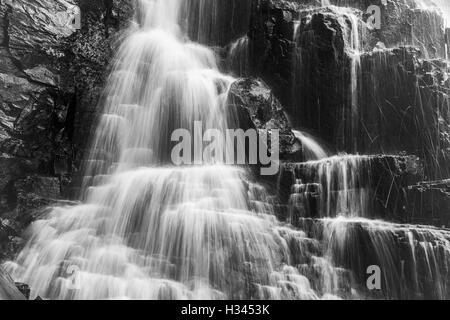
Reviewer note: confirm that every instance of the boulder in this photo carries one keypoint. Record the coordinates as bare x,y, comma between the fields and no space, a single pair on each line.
262,111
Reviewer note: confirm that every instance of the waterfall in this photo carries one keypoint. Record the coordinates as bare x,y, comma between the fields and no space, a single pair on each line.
342,184
354,51
149,230
416,257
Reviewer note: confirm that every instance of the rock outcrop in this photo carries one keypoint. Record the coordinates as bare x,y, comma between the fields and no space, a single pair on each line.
359,88
256,106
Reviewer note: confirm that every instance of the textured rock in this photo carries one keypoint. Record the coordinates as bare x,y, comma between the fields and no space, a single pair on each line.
271,44
404,106
51,77
265,111
320,88
34,28
430,202
313,74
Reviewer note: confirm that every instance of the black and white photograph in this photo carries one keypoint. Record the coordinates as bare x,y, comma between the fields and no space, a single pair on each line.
230,154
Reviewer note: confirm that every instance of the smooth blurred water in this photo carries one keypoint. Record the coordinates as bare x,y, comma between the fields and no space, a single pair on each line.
146,229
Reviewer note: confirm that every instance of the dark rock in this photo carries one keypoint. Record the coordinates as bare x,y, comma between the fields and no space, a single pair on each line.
312,75
265,111
271,46
429,202
403,107
33,30
34,193
321,80
51,78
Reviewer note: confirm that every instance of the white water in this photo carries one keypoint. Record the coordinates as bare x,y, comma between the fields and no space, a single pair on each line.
145,229
345,192
354,51
312,150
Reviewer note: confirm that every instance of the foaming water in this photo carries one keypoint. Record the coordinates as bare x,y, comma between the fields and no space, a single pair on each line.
146,229
350,23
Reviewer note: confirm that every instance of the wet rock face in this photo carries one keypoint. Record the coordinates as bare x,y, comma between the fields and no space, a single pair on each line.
312,71
33,30
321,78
430,201
271,44
404,107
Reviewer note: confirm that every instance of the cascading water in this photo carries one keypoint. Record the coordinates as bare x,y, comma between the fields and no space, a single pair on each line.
148,230
340,184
